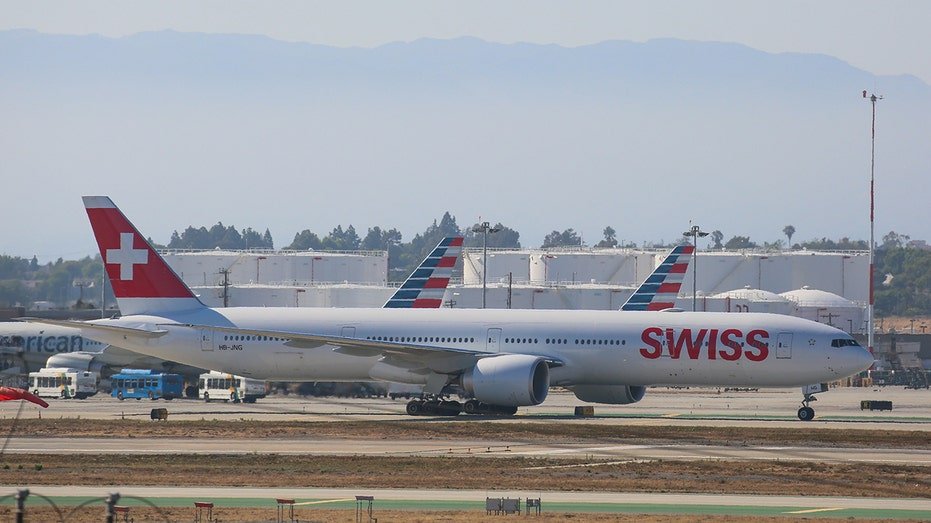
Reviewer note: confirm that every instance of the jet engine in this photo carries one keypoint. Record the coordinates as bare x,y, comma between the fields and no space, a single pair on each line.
513,380
75,360
613,394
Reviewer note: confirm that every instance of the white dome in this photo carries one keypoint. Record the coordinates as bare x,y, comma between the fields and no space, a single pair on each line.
806,297
752,295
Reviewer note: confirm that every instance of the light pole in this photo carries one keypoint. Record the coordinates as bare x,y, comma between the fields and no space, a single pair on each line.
872,98
695,232
485,228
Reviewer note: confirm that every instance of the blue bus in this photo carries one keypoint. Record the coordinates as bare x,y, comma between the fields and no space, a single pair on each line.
145,383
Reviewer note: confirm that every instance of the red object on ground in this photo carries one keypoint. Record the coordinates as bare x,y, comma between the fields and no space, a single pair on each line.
11,394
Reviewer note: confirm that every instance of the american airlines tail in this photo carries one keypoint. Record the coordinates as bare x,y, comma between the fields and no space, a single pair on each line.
425,287
142,282
660,289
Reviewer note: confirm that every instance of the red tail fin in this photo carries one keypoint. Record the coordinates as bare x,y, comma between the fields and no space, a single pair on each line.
142,281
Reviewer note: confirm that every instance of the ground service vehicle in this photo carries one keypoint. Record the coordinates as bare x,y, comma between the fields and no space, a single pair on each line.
220,386
145,383
56,382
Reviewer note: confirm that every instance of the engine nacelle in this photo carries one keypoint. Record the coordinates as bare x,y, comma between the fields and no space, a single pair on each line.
613,394
75,360
512,380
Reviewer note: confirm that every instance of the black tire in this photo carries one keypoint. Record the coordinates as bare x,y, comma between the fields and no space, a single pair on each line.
414,408
472,407
806,413
119,395
206,398
449,408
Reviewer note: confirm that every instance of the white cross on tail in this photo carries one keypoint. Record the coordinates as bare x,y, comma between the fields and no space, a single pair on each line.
126,256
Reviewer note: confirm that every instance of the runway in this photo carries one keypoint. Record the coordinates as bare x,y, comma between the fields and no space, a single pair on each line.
471,448
553,501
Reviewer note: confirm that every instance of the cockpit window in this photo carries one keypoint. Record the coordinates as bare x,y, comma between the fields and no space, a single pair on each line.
844,342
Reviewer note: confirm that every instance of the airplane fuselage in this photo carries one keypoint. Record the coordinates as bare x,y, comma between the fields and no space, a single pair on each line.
593,347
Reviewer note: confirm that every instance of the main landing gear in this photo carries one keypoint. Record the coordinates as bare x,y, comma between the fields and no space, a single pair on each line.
435,407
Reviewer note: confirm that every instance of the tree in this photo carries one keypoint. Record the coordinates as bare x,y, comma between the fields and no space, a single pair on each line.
378,239
893,240
610,238
739,242
567,238
251,239
305,241
825,244
788,230
342,240
505,238
716,237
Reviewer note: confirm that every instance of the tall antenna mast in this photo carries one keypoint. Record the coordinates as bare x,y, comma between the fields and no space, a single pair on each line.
870,324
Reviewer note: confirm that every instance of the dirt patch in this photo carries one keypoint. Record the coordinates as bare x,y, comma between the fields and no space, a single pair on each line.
718,477
145,514
430,429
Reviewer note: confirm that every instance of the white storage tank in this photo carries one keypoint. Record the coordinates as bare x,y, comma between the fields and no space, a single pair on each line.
827,307
336,295
264,267
843,273
749,300
601,266
500,263
523,296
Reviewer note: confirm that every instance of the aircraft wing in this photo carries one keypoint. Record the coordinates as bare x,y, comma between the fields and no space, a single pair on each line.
106,329
366,348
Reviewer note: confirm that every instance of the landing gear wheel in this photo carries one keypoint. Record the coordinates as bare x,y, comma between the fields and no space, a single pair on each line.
471,407
414,408
449,408
806,413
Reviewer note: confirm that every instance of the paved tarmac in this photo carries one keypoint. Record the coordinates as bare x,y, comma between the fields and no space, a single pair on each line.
837,409
473,448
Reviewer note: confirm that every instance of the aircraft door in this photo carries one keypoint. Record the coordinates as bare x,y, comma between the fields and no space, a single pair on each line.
494,340
784,345
206,339
348,332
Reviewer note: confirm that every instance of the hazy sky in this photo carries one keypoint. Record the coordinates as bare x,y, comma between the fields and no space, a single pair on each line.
883,37
42,146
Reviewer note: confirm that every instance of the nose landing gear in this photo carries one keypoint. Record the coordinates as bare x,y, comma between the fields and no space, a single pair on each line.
807,413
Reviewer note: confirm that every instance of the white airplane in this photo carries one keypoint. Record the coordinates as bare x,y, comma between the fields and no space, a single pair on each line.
502,359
